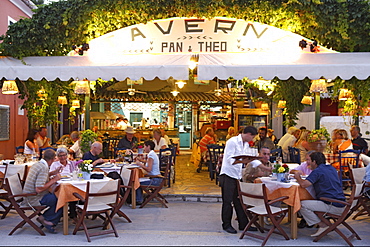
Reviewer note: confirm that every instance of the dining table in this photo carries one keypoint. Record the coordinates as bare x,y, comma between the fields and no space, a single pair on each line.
295,193
65,190
138,175
22,169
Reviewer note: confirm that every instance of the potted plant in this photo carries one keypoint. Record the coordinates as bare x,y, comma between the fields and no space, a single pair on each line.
85,167
318,139
87,138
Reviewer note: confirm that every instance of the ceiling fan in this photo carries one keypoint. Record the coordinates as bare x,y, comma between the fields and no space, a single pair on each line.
131,91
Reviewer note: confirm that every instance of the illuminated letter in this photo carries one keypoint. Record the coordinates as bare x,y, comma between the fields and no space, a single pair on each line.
188,26
138,33
254,30
224,29
161,29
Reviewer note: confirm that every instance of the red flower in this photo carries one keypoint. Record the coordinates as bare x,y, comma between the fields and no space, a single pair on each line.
285,166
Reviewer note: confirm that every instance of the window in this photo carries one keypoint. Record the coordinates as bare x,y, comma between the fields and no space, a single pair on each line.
11,21
4,122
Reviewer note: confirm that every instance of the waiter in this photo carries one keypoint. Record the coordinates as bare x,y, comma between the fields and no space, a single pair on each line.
230,175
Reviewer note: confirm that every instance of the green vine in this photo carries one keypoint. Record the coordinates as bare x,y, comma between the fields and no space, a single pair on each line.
292,91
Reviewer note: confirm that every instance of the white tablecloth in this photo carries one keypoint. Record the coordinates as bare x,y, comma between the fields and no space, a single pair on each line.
14,169
274,185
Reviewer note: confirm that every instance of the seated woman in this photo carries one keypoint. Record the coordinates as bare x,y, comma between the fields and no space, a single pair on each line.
230,132
30,144
159,141
151,167
342,142
302,144
65,167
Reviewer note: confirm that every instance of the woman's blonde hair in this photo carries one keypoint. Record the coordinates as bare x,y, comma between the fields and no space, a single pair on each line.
303,136
343,133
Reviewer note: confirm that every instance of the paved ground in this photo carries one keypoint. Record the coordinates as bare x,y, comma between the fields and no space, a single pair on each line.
183,223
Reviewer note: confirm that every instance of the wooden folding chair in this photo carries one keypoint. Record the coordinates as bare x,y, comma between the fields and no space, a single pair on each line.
98,200
350,207
153,191
128,177
15,196
214,153
166,156
10,170
253,198
356,176
348,159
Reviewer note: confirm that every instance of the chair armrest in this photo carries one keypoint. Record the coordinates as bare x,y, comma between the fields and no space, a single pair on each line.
334,200
154,176
23,195
78,196
282,198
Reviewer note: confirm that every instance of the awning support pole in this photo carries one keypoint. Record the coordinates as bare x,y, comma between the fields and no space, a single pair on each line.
87,111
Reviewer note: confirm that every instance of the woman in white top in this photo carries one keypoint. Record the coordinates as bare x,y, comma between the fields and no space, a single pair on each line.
66,166
151,167
31,143
159,141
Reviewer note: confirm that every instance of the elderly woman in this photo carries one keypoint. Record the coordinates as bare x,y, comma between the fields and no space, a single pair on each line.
159,141
66,166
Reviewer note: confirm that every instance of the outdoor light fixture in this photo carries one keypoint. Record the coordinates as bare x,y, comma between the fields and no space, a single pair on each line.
306,100
82,87
180,84
318,86
175,93
344,94
281,104
264,107
218,92
76,103
10,87
62,100
193,61
42,94
131,91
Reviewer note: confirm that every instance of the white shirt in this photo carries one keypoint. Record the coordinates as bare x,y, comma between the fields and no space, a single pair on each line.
122,125
234,146
162,142
283,139
41,141
67,170
155,165
76,149
288,143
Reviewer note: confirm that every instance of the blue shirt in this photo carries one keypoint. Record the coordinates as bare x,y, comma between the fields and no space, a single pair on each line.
90,156
326,183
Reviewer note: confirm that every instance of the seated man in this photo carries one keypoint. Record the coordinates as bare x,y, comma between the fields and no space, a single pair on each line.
304,168
93,154
257,169
129,141
39,181
208,138
325,181
43,141
261,140
75,150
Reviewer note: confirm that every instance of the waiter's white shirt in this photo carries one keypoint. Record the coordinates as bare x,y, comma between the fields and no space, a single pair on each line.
234,146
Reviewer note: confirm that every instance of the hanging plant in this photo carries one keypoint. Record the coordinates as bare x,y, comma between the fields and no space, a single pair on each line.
292,91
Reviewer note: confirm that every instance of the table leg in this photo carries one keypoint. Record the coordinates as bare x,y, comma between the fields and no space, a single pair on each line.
133,198
293,224
65,219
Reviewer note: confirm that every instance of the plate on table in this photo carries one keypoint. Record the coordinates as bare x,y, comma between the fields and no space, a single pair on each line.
66,178
106,165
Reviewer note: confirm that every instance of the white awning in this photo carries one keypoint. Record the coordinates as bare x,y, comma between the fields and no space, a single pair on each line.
66,67
283,66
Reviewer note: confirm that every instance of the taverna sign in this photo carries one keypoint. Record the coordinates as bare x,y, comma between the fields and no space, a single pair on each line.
194,35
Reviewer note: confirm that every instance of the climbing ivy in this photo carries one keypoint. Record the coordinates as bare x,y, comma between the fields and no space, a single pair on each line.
54,28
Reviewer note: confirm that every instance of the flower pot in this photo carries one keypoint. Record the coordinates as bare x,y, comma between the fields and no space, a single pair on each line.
239,104
258,104
86,175
280,177
318,146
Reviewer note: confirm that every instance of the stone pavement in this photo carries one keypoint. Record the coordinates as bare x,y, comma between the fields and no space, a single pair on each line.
190,185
